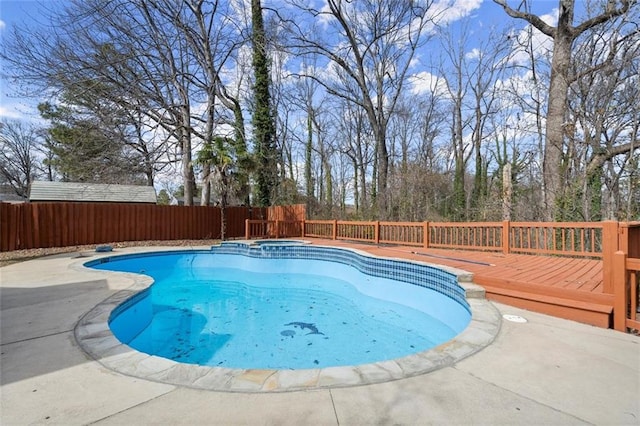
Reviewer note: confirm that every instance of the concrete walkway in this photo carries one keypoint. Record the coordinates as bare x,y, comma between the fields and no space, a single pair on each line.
545,371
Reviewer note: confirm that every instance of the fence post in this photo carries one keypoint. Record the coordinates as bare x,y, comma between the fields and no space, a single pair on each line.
302,231
247,229
425,234
506,236
376,231
620,291
609,248
335,229
277,229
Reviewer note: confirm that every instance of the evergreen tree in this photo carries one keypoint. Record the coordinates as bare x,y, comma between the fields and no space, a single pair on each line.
85,151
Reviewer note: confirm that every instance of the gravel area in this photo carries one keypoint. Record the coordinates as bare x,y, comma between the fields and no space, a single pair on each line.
9,257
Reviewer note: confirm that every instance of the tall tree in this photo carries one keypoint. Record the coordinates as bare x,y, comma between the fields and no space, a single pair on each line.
126,53
263,124
564,35
372,46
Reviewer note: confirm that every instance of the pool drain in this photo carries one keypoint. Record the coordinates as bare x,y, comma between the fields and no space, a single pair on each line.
514,318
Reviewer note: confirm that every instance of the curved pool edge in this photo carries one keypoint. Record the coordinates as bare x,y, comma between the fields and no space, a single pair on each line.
94,336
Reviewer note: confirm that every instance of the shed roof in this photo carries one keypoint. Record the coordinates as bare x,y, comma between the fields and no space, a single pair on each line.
91,192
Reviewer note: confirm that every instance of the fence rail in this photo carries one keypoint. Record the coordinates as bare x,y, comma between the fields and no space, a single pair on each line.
572,239
577,239
469,236
41,225
406,233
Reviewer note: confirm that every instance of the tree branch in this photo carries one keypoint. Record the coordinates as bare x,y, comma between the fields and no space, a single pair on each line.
529,17
609,13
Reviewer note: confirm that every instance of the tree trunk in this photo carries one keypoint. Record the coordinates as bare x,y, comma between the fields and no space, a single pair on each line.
554,139
187,166
264,127
383,169
356,186
308,177
506,191
205,196
224,181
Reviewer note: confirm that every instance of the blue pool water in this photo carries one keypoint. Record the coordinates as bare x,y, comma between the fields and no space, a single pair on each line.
237,311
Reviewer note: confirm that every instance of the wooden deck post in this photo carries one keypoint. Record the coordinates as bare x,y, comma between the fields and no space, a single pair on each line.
619,291
609,248
302,230
247,229
376,231
425,234
335,229
506,236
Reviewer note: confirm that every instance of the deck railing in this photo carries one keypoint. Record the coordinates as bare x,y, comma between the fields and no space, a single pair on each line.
580,239
487,236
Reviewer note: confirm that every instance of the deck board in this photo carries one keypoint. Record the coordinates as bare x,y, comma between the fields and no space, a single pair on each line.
561,286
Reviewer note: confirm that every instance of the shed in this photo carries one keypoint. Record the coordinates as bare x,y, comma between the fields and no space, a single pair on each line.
91,192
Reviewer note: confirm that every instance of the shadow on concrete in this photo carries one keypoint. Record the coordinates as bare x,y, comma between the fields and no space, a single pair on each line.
36,327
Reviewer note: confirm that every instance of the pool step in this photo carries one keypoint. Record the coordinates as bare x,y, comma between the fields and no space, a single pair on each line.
473,291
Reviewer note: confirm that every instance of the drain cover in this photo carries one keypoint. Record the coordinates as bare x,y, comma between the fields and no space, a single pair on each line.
514,318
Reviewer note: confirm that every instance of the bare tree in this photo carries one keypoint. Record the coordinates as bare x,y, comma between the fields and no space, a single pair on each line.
371,48
603,118
125,53
19,164
356,141
564,35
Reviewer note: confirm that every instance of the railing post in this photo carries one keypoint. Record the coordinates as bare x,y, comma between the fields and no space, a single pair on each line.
335,229
247,229
302,231
620,291
376,231
425,234
506,236
609,247
277,229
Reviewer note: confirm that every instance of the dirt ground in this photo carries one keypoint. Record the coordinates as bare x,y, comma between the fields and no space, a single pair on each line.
9,257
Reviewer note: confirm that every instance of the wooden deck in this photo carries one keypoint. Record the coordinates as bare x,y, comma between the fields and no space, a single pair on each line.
560,286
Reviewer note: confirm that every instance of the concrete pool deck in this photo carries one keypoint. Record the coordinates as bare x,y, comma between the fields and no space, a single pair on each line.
544,371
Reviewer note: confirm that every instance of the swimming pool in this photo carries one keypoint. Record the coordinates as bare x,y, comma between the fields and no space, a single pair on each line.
298,331
293,311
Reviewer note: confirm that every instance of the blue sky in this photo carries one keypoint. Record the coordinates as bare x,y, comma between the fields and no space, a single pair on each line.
32,14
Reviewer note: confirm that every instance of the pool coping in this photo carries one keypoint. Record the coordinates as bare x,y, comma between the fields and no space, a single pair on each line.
93,335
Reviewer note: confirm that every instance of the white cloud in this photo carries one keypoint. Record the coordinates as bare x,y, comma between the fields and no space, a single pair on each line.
425,82
9,113
3,25
473,54
447,11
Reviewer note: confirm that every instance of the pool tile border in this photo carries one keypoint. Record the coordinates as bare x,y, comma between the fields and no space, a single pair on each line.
94,336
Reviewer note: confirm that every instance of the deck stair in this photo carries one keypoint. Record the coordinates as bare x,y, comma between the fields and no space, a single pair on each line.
589,308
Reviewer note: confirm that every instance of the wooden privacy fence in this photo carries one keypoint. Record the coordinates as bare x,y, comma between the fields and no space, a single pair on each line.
41,225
